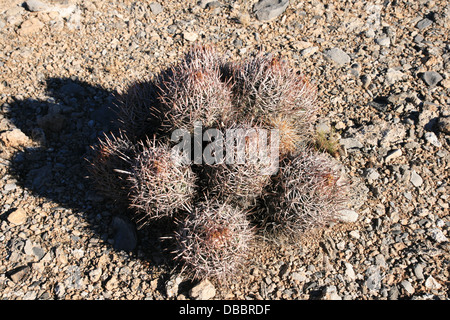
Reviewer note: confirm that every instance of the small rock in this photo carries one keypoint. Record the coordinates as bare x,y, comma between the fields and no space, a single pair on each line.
17,217
380,261
156,8
446,83
33,250
36,5
74,21
172,286
348,216
437,235
373,281
60,290
14,15
125,237
349,272
355,234
432,284
30,26
244,18
340,125
415,179
393,154
429,116
10,187
190,36
95,274
112,283
431,78
14,138
384,41
424,23
330,293
52,122
372,174
18,274
351,143
338,56
298,276
366,80
213,5
418,38
370,33
418,271
63,10
72,89
393,293
203,291
444,124
393,75
309,51
40,176
267,10
433,139
203,3
407,286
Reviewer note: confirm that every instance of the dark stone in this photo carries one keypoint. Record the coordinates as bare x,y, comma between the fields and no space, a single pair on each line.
72,89
125,236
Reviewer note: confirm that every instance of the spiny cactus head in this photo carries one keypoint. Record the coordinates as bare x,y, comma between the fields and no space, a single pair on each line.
307,194
265,87
212,241
160,183
112,156
139,112
244,173
193,90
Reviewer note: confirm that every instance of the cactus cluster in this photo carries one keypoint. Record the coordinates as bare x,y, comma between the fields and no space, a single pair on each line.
219,207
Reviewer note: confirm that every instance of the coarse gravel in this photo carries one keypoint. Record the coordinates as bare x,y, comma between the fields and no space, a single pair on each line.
382,72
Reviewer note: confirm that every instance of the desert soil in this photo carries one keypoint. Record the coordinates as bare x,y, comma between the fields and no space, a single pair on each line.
382,72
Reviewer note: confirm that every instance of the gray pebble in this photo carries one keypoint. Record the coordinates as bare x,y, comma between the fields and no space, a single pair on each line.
338,56
393,293
407,286
10,186
418,38
351,143
36,5
418,271
431,78
416,180
156,8
213,5
424,23
267,10
433,139
373,281
384,41
444,124
125,237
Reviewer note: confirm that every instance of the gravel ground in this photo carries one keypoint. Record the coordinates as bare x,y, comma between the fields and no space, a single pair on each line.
382,71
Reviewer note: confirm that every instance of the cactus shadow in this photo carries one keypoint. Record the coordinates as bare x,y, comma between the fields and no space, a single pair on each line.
63,127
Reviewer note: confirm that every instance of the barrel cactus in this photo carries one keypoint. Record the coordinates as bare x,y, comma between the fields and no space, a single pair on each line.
214,202
213,240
